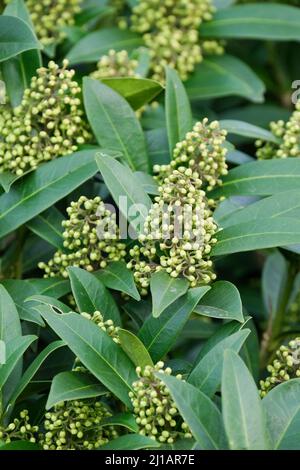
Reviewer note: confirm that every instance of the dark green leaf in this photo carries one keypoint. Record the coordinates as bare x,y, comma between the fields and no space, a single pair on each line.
118,277
165,290
130,442
15,37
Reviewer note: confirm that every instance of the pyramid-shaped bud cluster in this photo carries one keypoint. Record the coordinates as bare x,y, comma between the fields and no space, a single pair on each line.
286,366
115,64
288,136
170,30
203,151
47,124
91,239
77,425
19,429
156,413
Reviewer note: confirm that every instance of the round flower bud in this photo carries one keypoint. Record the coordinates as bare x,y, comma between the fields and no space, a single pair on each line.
115,64
19,429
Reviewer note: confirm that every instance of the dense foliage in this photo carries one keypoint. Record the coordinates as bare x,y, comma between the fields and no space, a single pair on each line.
149,225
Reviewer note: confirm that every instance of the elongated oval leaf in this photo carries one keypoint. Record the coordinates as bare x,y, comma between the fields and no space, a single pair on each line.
95,349
94,45
15,37
71,385
256,235
43,188
282,408
199,412
243,414
160,334
91,295
178,109
114,123
274,281
207,374
14,352
247,130
222,301
118,277
165,290
134,348
225,75
48,226
257,21
130,442
125,420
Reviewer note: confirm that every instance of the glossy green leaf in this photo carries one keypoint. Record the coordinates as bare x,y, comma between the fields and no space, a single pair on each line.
15,37
114,123
243,414
134,348
94,45
48,226
125,420
165,290
20,445
178,109
222,301
118,277
160,334
137,91
256,235
257,21
15,349
274,280
95,349
207,373
199,412
72,385
43,188
130,442
282,408
225,75
247,130
91,295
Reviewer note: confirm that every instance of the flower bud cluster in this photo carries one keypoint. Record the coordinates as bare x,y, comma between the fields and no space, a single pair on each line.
105,325
77,425
115,64
178,233
91,239
288,134
47,124
203,151
156,413
286,366
170,31
19,429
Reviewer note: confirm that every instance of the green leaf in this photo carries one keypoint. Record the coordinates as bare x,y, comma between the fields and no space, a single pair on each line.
282,408
243,414
32,370
130,442
43,188
137,91
72,385
261,178
247,130
160,334
48,226
7,179
134,348
222,301
15,37
199,412
47,300
224,75
95,349
91,295
114,123
274,279
148,183
20,445
165,290
256,235
257,21
133,202
207,373
15,349
285,204
125,420
118,277
94,45
178,109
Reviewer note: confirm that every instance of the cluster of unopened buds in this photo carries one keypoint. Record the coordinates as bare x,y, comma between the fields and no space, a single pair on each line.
91,239
19,429
115,64
77,425
288,136
156,413
170,31
48,123
286,366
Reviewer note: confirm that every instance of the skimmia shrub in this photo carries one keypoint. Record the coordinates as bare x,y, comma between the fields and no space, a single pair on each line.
149,225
